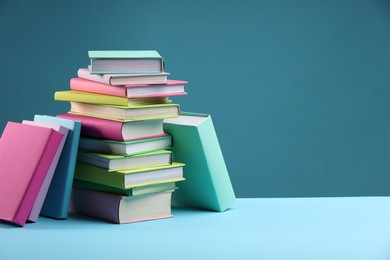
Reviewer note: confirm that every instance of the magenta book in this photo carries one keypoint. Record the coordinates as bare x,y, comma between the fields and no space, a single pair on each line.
114,130
26,154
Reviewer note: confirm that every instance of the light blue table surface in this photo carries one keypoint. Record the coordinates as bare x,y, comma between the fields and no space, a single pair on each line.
293,228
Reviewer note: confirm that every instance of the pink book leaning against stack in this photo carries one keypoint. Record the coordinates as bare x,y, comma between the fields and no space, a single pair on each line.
36,210
26,154
115,130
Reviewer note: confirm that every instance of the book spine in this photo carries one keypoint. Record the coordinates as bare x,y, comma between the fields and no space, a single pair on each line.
96,87
84,73
39,176
97,127
216,165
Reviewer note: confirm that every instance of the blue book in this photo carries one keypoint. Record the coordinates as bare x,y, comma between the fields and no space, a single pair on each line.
58,196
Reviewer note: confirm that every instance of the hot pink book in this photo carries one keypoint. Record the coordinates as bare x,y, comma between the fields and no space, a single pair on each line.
26,154
36,210
115,130
171,88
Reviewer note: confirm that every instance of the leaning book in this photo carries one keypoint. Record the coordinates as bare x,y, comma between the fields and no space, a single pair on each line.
207,184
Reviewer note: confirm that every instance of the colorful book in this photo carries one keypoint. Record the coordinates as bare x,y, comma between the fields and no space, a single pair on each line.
121,113
125,179
122,209
134,61
58,197
207,184
128,148
170,88
135,191
26,154
120,131
124,79
113,162
36,210
93,98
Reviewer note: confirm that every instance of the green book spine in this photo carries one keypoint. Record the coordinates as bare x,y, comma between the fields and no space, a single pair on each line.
86,172
207,184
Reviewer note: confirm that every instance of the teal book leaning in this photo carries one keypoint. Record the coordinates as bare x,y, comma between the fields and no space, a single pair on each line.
195,143
58,196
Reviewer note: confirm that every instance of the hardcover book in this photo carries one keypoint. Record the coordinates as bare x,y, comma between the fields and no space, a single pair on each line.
122,209
36,210
114,162
170,88
124,79
58,196
126,113
105,62
125,179
120,131
26,154
127,148
135,191
207,184
93,98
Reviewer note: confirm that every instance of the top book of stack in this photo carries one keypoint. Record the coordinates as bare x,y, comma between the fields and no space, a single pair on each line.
125,62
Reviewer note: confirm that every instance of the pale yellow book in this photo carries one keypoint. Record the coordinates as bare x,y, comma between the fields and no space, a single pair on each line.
99,99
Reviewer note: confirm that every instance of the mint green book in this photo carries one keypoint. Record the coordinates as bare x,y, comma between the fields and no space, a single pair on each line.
195,143
125,62
135,191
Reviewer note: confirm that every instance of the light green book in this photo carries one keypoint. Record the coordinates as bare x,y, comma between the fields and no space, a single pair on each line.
136,191
195,143
125,62
126,179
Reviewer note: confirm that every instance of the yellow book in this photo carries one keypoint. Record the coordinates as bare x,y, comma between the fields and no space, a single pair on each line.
99,99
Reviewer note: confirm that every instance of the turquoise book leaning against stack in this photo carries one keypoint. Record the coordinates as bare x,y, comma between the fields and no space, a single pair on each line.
195,143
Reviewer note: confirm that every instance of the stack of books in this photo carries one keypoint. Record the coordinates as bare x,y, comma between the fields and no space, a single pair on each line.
124,171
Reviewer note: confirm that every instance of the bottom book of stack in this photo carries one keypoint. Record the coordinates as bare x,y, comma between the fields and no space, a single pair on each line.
122,208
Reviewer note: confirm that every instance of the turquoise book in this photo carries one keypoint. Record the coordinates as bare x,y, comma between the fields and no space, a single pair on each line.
195,143
58,196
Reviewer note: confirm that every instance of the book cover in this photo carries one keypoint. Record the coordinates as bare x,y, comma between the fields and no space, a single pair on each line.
26,154
122,209
123,79
126,148
93,98
126,179
58,196
207,184
120,131
129,61
36,210
170,88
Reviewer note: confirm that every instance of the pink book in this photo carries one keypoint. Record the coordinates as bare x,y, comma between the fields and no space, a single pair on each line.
123,79
26,154
171,88
114,130
34,214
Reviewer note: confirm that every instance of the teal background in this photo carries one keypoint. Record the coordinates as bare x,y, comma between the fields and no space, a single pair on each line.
298,90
